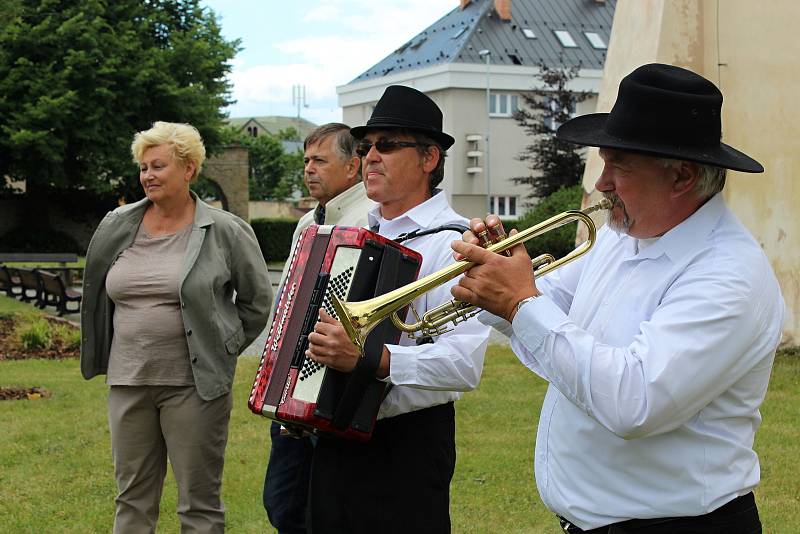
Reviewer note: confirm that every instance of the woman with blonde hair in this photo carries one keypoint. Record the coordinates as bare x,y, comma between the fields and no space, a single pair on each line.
174,290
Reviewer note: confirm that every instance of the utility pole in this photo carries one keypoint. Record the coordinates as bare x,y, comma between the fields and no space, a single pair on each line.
299,100
487,54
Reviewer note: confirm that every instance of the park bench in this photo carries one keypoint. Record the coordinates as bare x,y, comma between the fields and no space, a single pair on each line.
62,258
9,282
53,292
31,287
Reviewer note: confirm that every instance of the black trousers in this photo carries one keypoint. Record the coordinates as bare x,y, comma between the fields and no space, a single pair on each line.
398,482
740,516
286,482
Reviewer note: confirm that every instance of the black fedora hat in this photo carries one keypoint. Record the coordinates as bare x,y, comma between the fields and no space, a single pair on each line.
405,107
665,111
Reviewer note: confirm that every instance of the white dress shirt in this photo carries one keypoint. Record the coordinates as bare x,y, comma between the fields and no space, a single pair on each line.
658,355
434,373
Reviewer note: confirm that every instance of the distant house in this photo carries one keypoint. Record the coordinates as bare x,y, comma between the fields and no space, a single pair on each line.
255,126
448,62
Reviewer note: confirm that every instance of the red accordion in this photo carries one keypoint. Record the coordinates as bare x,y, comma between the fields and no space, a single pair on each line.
354,264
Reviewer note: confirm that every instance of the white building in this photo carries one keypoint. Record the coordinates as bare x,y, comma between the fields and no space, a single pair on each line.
448,62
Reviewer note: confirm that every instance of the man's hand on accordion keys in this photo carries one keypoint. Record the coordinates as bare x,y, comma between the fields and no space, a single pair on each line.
329,345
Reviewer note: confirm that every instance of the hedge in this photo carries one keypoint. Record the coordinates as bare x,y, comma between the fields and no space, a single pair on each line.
557,242
275,237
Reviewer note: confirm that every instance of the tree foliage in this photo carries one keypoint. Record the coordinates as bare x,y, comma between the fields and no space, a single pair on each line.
79,77
558,242
553,163
276,172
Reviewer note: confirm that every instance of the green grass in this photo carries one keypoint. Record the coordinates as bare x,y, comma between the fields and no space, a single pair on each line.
80,263
56,473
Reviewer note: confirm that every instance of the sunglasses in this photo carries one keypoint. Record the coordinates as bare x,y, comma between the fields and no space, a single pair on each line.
384,146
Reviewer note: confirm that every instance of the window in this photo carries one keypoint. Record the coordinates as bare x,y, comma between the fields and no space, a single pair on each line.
528,33
565,38
505,206
503,104
595,40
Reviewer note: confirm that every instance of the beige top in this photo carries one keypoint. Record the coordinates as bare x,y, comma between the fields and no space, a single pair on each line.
149,344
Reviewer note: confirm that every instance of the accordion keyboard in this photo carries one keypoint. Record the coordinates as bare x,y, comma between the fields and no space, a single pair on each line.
339,283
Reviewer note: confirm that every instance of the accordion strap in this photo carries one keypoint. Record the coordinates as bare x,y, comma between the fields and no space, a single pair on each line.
460,228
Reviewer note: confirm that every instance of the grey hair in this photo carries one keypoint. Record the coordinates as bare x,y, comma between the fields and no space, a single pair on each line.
711,181
345,142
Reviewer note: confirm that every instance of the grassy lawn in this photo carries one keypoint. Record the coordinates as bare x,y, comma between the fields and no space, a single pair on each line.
80,263
56,473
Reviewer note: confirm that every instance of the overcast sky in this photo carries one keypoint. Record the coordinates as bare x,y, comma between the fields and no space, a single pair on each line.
320,44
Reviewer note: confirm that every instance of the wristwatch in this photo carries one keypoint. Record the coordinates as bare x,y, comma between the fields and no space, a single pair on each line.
521,303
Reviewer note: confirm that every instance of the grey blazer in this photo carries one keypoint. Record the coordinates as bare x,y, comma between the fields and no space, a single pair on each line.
225,292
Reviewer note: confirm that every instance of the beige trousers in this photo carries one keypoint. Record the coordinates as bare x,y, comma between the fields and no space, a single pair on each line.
152,423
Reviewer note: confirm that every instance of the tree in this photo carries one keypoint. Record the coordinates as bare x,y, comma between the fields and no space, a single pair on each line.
553,163
79,77
275,173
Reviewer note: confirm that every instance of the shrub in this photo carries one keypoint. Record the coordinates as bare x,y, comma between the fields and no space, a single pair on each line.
35,334
69,335
275,237
557,242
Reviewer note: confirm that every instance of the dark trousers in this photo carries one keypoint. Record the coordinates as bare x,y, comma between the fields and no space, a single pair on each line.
286,482
739,516
398,482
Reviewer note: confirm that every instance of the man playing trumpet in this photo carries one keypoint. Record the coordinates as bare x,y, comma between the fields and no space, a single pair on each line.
658,343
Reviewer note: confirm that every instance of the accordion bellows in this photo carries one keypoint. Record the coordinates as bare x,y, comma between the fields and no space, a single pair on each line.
354,264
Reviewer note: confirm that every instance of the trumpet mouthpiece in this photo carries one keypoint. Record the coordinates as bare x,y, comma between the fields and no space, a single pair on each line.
604,204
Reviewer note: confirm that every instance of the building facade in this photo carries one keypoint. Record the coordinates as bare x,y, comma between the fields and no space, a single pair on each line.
500,45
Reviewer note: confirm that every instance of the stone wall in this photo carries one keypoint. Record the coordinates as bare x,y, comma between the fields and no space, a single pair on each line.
229,171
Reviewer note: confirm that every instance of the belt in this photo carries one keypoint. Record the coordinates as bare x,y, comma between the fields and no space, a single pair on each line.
737,505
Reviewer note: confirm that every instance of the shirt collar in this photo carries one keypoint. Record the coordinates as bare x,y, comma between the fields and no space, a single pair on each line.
343,199
689,234
420,216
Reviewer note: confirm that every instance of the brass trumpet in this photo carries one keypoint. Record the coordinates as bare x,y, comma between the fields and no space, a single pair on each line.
359,318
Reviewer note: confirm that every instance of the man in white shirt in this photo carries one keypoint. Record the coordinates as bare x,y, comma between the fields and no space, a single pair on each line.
657,344
399,480
332,175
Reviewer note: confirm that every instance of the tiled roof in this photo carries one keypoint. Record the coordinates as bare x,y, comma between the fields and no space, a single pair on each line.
461,34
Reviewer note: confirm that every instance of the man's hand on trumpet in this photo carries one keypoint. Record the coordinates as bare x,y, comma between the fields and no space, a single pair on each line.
497,283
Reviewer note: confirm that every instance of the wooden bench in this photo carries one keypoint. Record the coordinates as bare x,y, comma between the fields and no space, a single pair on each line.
9,282
31,287
62,258
39,257
53,292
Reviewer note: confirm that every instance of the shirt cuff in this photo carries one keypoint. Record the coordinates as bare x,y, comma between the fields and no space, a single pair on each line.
535,320
402,364
496,322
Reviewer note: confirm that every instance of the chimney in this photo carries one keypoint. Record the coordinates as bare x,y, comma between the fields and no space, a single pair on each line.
464,3
503,8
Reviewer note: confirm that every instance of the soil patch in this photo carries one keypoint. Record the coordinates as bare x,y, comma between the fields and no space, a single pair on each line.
11,349
33,393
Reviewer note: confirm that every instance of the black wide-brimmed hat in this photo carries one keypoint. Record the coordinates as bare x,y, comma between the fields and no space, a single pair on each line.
405,107
665,111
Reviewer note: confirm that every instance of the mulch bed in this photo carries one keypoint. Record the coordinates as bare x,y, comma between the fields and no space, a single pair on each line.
11,350
33,393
